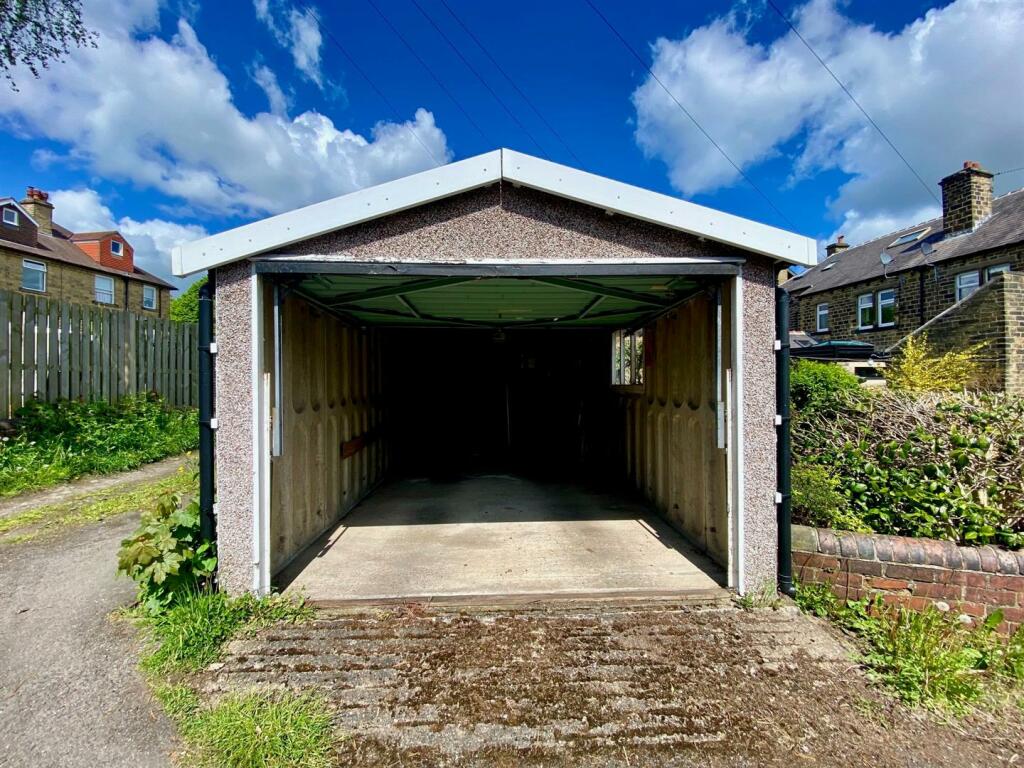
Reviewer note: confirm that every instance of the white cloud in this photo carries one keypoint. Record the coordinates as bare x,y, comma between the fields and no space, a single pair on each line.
159,113
82,210
297,31
266,79
944,88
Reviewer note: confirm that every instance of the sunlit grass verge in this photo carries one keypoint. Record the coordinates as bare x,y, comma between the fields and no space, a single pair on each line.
93,507
933,657
190,634
255,729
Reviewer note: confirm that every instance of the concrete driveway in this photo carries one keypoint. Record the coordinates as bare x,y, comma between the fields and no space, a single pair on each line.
70,693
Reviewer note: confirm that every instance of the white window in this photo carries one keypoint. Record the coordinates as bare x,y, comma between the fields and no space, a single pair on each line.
33,276
148,297
116,247
104,289
887,308
628,358
909,237
866,310
996,269
822,318
11,216
967,283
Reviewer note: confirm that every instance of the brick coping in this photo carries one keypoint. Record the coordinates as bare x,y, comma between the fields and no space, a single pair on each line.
908,551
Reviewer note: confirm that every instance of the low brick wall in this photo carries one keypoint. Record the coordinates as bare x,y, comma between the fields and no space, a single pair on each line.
913,572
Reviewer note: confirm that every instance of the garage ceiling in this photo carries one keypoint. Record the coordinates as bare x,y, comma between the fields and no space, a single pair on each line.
497,302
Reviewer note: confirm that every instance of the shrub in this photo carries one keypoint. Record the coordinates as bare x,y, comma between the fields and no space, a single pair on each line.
937,466
60,441
818,501
817,386
185,308
165,556
918,368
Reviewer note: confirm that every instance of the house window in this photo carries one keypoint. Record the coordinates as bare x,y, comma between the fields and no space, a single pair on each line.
104,289
627,358
866,310
116,248
11,216
887,308
996,269
148,297
822,315
967,283
909,237
33,276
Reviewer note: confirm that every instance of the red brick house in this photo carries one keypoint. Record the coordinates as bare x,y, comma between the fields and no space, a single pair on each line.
40,257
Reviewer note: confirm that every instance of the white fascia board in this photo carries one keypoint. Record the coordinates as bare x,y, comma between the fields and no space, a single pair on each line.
657,208
320,218
11,201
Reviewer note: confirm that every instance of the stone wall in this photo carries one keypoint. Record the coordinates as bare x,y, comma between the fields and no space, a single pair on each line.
939,292
916,573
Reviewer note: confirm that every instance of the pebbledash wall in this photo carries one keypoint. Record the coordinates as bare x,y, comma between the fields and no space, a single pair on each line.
976,581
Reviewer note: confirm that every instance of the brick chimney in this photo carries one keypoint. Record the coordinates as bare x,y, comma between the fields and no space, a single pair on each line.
838,246
38,205
966,199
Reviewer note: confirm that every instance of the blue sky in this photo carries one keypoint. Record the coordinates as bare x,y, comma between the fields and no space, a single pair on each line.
194,117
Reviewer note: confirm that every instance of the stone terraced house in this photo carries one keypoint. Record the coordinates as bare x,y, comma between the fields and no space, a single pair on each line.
39,257
958,278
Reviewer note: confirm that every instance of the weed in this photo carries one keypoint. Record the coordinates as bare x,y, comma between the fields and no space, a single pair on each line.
261,729
765,596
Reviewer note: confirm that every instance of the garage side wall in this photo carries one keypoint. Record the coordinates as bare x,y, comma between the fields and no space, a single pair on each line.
334,450
673,454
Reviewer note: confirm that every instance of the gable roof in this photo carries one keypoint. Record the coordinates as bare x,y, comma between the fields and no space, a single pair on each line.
455,178
861,263
88,237
5,201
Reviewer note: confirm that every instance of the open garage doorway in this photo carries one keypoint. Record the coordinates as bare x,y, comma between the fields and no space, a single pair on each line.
497,435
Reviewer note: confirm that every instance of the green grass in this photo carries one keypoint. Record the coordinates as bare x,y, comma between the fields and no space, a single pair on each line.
928,657
93,507
57,442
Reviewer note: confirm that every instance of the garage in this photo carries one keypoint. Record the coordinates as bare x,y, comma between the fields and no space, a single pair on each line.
501,378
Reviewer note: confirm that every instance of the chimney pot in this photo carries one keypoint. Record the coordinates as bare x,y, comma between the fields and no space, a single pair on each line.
39,207
839,245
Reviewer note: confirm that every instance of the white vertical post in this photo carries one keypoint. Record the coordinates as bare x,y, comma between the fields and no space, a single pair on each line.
737,437
260,445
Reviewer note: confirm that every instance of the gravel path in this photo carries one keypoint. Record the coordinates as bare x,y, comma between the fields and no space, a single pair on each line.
70,693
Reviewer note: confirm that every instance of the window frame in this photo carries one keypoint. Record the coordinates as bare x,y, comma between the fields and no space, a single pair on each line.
631,373
870,306
37,266
818,327
878,308
909,237
958,287
15,213
119,253
998,270
96,289
152,289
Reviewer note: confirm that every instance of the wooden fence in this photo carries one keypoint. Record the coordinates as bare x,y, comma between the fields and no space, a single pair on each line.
54,350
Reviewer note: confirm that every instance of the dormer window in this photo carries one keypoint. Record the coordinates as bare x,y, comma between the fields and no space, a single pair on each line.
910,237
117,248
11,216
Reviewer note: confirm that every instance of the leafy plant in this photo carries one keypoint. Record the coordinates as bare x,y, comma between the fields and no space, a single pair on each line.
185,308
56,442
35,33
818,500
918,368
816,386
166,556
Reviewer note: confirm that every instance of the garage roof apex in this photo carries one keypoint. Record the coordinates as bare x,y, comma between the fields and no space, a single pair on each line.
285,229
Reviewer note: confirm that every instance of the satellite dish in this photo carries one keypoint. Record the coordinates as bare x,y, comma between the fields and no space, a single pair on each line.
885,257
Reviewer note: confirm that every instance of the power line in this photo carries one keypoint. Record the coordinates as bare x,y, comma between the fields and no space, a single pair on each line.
483,82
687,112
1009,170
511,82
430,72
856,103
314,14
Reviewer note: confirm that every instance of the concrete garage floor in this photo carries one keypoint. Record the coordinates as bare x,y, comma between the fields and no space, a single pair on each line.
498,535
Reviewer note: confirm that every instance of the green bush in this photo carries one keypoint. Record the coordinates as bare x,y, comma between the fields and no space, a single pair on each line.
818,386
929,657
918,368
166,556
56,442
818,500
935,466
185,308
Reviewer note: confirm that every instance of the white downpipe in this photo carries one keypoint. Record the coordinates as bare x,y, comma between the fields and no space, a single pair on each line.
739,440
260,454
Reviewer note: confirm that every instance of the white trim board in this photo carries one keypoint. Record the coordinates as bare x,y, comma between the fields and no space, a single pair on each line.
285,229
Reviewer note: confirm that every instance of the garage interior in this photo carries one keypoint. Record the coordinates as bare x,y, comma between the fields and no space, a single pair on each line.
456,435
